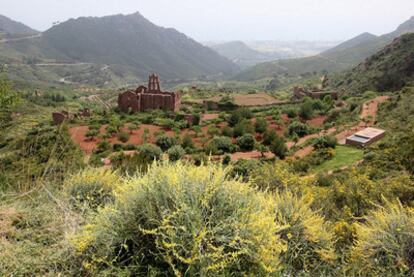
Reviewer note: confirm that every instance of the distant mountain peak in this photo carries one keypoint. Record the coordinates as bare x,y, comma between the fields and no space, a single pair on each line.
136,45
406,27
14,28
137,13
367,34
362,38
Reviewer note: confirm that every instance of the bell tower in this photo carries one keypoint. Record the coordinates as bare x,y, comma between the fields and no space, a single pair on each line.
153,84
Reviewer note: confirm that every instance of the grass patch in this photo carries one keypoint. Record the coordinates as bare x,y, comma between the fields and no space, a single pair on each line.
344,156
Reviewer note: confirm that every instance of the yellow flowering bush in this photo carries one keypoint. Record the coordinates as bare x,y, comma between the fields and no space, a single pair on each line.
183,220
278,176
310,241
385,244
91,188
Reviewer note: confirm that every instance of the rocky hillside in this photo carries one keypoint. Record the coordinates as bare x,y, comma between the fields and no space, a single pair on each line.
388,70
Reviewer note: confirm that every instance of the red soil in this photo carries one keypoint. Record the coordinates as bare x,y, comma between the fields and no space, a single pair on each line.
317,121
211,116
78,135
253,155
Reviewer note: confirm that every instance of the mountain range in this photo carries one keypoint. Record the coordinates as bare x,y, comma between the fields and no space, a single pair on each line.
243,55
123,46
341,57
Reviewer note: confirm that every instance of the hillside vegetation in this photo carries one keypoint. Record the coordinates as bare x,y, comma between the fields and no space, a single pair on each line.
122,45
344,56
59,216
388,70
12,28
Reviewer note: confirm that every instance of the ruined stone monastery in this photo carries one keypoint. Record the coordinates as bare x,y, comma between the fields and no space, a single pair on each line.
149,98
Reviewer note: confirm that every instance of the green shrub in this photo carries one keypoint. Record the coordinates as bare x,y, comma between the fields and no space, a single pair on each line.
213,131
103,146
324,180
334,115
325,142
269,136
246,142
200,159
227,131
187,142
165,142
243,127
130,164
182,124
149,152
196,119
220,145
279,148
175,153
182,220
226,159
166,123
94,127
239,115
244,168
117,147
129,147
298,128
260,125
123,137
306,109
92,134
111,130
261,148
291,112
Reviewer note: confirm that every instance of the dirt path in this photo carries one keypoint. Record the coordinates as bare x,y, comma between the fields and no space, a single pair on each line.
368,118
18,39
370,109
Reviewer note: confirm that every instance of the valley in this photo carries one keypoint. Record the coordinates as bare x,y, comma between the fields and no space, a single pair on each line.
131,149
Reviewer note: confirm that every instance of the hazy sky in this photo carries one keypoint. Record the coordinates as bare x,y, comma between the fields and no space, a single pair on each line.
231,19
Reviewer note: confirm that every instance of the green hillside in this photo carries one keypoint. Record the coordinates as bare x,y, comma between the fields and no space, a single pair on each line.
389,70
128,47
344,56
11,28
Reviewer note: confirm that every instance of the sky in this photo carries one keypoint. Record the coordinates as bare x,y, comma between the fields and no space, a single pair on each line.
224,20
